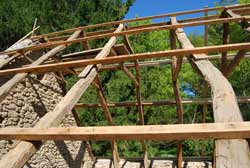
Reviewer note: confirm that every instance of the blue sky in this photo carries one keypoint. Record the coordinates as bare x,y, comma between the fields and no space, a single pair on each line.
154,7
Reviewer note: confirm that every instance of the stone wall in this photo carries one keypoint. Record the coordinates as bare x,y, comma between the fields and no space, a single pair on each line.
24,106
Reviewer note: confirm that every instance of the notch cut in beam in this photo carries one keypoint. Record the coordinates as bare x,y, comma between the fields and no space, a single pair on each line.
230,130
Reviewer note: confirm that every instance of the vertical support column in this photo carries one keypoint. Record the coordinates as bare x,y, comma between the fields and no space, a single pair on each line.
85,44
228,152
139,100
206,88
76,116
206,29
24,150
6,88
176,65
225,40
108,116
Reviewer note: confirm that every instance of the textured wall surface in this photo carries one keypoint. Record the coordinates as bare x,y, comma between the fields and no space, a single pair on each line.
32,99
24,106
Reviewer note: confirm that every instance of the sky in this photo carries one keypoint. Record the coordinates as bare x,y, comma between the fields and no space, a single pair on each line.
155,7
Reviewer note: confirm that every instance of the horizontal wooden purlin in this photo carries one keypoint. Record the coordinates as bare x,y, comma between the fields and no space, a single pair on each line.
165,62
119,48
155,62
58,38
141,18
185,158
134,31
158,62
244,9
231,130
158,103
122,58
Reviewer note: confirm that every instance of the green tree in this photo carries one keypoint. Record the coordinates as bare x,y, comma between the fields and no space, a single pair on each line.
17,17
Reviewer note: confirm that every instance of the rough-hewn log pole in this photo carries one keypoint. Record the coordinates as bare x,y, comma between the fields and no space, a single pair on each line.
176,66
138,98
108,117
76,115
6,88
244,24
225,40
86,46
5,59
24,150
229,153
233,63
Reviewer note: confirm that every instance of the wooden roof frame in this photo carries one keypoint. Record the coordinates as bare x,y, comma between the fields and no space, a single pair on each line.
58,41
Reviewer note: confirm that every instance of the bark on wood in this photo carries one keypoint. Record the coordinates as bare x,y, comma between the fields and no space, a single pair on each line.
229,153
24,150
6,88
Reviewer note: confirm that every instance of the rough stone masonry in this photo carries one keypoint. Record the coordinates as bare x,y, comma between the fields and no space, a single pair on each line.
24,106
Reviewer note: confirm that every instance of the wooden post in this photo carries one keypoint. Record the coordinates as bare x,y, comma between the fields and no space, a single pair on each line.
225,40
6,88
76,116
205,89
205,29
233,63
225,109
108,116
85,44
176,66
138,97
24,150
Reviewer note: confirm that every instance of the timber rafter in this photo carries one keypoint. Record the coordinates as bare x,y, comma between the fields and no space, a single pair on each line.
88,64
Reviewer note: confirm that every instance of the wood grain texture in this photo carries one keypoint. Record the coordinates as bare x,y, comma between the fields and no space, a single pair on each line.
158,103
111,60
127,32
229,153
232,7
6,88
175,69
56,116
229,130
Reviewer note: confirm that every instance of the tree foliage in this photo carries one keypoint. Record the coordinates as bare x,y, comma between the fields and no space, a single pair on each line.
17,17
